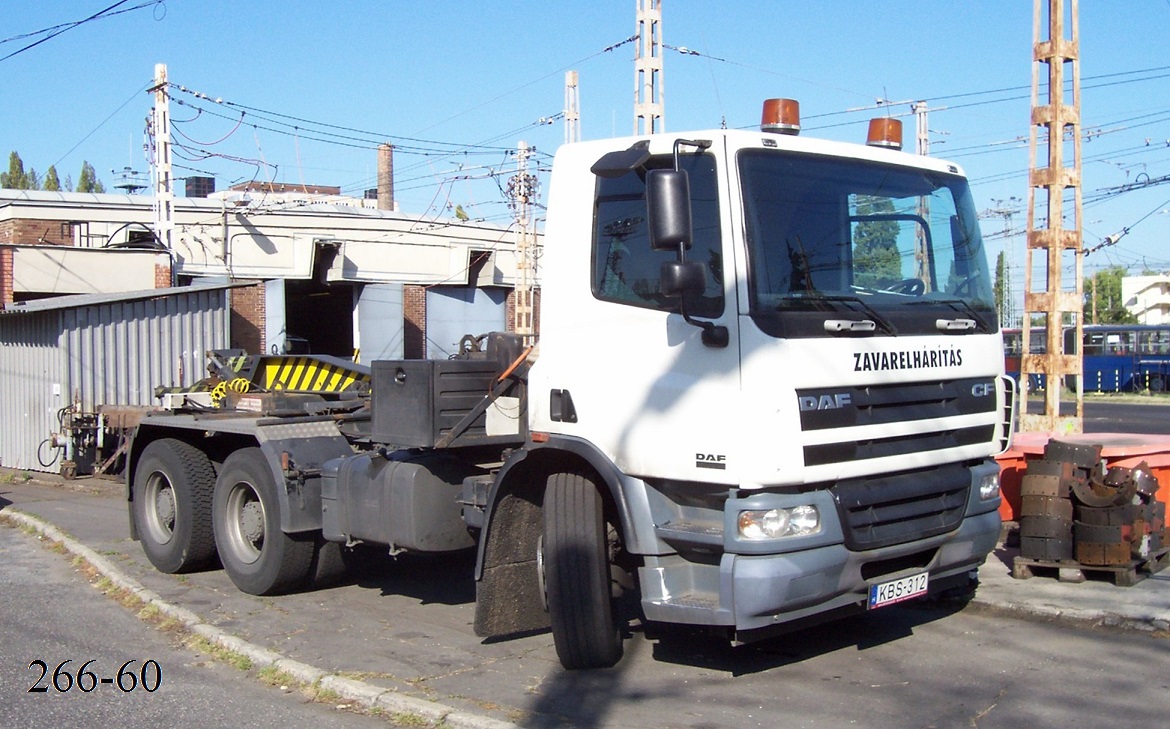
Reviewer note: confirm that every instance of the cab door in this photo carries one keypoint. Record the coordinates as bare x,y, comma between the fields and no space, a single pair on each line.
642,385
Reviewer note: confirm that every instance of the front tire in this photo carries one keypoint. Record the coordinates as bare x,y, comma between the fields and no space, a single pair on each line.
172,486
258,557
576,563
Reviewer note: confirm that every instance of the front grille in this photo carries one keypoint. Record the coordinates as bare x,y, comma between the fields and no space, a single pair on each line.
881,511
819,455
844,408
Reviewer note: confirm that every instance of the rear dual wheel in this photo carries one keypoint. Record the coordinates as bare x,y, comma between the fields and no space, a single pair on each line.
258,557
172,492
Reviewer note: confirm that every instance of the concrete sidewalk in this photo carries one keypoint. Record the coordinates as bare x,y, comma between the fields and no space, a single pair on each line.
1144,606
424,649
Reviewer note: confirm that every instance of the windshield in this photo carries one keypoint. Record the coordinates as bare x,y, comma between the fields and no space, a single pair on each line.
836,238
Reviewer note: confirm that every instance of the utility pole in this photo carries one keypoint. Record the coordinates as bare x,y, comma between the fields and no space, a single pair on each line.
1007,210
164,194
1060,118
922,144
922,148
522,191
572,108
648,105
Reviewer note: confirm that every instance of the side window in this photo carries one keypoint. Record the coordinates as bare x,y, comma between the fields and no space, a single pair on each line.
625,269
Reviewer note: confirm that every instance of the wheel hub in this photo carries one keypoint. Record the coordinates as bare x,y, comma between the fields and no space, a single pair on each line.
164,508
252,522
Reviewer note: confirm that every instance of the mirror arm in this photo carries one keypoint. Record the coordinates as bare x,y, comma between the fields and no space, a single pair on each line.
714,335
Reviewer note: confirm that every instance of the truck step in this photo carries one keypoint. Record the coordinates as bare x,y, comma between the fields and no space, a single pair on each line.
691,532
700,600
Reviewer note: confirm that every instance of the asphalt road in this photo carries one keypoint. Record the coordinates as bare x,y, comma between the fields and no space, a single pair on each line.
1111,416
405,624
51,615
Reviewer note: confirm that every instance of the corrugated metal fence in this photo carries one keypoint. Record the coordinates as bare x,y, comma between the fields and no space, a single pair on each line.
98,350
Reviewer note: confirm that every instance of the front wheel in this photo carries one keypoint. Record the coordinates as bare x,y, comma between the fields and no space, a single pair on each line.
258,557
575,557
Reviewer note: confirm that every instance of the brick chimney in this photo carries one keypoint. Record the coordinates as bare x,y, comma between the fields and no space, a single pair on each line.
385,177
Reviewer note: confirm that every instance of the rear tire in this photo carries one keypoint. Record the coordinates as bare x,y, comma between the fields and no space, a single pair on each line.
173,483
258,557
575,557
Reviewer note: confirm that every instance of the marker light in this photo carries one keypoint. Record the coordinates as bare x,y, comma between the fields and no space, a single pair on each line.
781,116
885,132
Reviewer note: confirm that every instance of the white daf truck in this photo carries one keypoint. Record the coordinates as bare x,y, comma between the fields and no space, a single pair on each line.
768,391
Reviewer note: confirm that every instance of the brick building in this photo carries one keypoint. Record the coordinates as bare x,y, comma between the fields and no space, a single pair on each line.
332,275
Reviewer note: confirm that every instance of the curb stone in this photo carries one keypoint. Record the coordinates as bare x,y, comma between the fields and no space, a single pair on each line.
397,703
357,691
302,672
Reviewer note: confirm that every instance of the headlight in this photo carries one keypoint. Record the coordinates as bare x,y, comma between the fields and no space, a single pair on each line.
989,486
797,521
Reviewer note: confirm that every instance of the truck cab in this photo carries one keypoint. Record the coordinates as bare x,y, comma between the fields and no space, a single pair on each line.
788,410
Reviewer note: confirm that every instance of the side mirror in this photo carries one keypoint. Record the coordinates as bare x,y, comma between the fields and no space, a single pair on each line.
682,278
668,204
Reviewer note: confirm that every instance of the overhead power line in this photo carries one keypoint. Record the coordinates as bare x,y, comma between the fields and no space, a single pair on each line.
56,30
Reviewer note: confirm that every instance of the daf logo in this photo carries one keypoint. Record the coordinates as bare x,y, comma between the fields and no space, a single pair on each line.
983,389
711,460
825,402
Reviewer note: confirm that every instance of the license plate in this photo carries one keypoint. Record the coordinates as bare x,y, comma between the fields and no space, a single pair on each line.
905,588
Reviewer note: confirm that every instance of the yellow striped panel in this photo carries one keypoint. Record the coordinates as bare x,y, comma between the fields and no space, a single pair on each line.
304,374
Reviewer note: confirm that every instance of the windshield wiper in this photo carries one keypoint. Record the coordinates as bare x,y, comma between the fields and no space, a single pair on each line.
958,305
878,320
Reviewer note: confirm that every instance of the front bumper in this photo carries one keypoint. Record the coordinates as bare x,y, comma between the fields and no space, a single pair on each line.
749,589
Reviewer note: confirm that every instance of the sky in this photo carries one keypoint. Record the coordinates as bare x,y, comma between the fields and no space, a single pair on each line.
300,91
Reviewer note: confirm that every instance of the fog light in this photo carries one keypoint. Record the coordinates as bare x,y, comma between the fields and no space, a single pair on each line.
989,486
778,523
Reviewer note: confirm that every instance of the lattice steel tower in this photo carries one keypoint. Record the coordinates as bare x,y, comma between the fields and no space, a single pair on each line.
648,107
160,162
1057,125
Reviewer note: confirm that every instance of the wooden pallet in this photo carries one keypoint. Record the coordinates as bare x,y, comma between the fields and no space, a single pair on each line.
1123,575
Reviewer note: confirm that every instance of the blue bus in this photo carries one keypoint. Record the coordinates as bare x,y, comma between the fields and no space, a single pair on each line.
1115,357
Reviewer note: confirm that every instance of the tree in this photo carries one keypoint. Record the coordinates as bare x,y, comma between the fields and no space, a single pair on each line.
1103,302
51,182
88,181
1001,303
876,262
15,178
